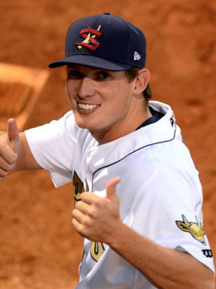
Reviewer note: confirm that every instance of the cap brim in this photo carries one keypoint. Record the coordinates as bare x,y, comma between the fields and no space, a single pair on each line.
91,61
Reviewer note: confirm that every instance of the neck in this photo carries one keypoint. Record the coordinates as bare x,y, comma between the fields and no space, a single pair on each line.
122,128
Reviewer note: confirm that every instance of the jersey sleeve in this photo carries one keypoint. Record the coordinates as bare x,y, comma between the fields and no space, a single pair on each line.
52,146
169,212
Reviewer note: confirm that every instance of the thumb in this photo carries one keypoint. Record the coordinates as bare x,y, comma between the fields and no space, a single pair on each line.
111,188
12,130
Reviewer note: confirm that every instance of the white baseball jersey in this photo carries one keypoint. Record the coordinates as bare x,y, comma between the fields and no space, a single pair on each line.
160,192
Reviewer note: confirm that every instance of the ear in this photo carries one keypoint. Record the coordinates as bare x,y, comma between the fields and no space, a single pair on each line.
141,81
182,226
66,88
66,82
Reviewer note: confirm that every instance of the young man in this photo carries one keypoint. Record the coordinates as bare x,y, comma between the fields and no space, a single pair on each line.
137,192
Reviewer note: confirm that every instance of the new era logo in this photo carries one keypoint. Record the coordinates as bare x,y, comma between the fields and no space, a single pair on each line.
136,56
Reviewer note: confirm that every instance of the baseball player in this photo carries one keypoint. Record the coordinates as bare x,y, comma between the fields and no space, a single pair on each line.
137,192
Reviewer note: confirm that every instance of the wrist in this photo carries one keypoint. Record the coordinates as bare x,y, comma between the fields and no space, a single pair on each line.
117,237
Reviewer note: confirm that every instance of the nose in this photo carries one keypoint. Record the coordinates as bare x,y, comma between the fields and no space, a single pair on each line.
86,87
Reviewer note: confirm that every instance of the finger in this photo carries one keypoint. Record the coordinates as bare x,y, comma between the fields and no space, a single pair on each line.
3,173
88,198
5,165
77,215
111,188
77,226
81,218
7,154
82,207
12,130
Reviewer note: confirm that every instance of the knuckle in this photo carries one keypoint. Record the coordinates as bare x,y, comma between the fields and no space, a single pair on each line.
12,157
84,196
75,213
78,205
87,222
7,153
3,173
93,213
5,167
83,231
98,203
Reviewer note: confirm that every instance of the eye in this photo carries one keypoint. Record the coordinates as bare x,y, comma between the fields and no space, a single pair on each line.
74,74
102,75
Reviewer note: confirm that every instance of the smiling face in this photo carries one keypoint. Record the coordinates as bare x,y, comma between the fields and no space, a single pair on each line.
104,102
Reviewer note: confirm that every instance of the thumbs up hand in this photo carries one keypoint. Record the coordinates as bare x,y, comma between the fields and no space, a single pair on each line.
98,218
9,147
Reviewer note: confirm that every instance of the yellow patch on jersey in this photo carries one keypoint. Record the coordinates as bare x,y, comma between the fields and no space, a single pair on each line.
78,187
195,229
97,250
87,187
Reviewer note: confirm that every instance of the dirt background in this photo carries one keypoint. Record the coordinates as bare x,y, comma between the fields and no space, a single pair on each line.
38,246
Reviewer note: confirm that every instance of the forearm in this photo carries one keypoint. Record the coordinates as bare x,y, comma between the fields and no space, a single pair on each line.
165,268
98,220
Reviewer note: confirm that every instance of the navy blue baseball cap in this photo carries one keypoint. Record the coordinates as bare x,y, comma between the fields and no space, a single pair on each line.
104,41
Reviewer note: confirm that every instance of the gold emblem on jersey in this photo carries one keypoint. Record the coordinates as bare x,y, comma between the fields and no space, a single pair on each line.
195,229
97,250
77,187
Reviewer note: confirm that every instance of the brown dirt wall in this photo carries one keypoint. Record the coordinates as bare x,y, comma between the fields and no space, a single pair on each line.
39,249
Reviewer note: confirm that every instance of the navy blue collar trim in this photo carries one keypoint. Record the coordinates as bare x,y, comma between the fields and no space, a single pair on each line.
155,117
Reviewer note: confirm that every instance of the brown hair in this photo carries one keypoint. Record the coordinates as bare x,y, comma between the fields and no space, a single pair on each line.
131,74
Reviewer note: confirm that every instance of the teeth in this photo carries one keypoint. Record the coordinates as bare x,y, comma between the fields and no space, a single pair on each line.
87,106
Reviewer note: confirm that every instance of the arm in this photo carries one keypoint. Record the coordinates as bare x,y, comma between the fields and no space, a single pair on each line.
15,154
164,267
98,219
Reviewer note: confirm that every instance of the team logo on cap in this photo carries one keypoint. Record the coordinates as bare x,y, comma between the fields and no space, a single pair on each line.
89,34
195,229
137,56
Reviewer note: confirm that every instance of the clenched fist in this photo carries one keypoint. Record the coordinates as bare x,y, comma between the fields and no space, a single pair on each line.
9,147
98,218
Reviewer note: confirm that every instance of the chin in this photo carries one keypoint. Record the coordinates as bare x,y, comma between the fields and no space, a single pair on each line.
79,121
81,125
